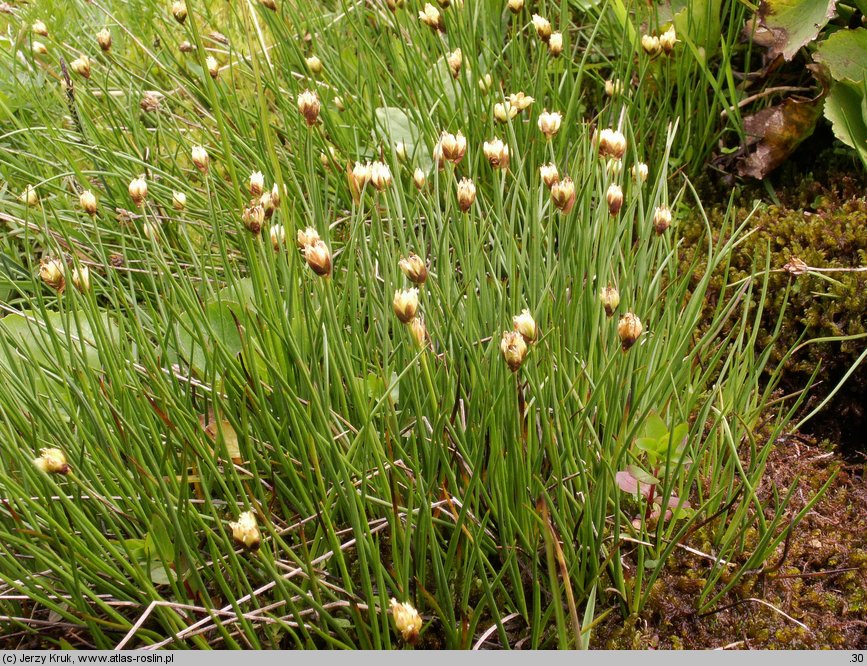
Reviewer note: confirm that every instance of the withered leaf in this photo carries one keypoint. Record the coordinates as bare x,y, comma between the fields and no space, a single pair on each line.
221,427
775,132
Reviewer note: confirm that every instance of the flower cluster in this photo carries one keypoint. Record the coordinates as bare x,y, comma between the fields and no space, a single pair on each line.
315,251
654,45
514,344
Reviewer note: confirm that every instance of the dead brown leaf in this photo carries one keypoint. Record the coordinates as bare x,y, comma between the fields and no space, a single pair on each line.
772,134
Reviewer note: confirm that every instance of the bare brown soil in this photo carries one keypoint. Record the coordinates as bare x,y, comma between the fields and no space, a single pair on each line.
818,579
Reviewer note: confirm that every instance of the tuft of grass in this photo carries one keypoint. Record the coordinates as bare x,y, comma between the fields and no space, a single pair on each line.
206,373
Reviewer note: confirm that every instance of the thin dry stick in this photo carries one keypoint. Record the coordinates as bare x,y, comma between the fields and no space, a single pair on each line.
767,91
777,610
490,630
168,604
247,597
717,560
202,625
39,623
255,614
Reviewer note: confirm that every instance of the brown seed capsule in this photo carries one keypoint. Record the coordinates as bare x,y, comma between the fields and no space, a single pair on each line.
525,325
51,272
81,66
179,11
543,27
610,299
563,194
308,236
200,158
796,266
555,44
432,18
549,123
318,258
256,183
455,60
150,102
453,146
614,196
103,38
629,329
514,349
309,107
612,143
138,190
549,174
278,237
466,194
253,218
497,153
661,219
405,304
414,269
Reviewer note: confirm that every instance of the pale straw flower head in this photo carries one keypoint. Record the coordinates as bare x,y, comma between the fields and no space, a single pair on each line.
406,620
525,325
405,304
51,461
514,349
245,531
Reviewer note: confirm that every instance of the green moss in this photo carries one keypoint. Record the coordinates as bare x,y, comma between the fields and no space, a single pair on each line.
820,304
626,637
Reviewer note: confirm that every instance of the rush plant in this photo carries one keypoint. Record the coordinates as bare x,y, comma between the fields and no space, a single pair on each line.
287,408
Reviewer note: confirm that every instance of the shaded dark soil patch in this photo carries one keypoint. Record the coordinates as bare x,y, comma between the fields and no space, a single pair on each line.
822,582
